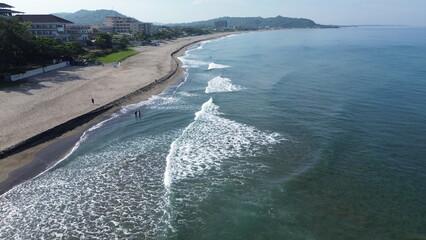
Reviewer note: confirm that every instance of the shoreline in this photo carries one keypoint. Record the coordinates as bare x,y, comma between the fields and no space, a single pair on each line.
35,155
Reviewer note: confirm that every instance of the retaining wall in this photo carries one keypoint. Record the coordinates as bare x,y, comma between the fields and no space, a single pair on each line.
56,66
38,71
28,74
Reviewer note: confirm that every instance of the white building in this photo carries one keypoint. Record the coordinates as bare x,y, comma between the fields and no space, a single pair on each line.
126,25
48,26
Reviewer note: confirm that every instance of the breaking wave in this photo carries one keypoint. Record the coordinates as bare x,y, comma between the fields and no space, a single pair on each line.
188,63
210,139
220,84
216,66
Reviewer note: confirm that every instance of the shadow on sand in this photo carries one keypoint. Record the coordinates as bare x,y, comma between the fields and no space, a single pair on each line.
25,86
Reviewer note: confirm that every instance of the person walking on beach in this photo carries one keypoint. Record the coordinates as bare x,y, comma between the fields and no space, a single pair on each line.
93,101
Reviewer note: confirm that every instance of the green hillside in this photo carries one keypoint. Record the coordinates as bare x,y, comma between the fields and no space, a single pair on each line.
259,22
88,17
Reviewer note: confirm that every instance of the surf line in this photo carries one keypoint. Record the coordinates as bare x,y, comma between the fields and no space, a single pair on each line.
168,173
168,212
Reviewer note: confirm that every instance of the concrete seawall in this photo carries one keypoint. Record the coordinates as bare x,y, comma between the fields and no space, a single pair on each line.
38,71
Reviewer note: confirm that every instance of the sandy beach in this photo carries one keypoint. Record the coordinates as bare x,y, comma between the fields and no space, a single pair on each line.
58,98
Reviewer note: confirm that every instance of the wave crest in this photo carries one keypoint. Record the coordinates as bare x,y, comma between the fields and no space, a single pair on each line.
209,140
220,84
216,66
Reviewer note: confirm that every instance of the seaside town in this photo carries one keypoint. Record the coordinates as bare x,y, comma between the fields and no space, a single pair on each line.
47,40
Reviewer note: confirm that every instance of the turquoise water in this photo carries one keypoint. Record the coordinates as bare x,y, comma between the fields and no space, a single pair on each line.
301,134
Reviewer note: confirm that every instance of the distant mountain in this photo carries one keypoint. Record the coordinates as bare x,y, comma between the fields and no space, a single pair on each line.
88,17
258,22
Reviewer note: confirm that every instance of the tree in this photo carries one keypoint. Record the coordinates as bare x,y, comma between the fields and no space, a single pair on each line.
140,36
122,42
19,48
15,44
46,49
71,49
103,40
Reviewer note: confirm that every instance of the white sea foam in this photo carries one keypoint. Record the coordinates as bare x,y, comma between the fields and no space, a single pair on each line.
113,193
216,66
186,74
210,139
118,191
225,37
161,101
187,94
220,84
219,39
229,36
83,138
189,63
199,46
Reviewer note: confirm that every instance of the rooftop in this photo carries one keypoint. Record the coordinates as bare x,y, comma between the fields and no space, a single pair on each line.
4,5
43,19
8,11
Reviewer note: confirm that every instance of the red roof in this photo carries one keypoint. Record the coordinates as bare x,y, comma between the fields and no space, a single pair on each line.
43,19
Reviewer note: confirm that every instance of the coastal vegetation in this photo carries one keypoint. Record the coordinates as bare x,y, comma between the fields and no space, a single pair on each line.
171,32
103,40
21,51
15,44
117,56
108,48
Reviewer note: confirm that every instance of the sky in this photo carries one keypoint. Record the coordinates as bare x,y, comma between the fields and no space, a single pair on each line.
339,12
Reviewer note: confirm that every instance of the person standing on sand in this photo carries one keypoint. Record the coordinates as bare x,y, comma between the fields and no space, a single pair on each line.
93,101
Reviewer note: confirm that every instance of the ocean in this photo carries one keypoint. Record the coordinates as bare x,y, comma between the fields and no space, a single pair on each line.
293,134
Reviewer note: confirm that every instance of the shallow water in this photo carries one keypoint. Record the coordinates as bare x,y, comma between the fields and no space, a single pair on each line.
302,134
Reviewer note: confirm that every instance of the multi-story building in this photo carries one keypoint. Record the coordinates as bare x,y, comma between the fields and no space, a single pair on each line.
126,25
48,26
103,29
78,33
6,10
146,28
221,24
